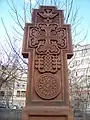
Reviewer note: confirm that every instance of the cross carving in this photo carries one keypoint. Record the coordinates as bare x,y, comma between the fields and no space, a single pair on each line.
48,38
47,41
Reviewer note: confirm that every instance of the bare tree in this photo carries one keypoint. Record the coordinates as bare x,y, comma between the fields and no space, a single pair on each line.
11,70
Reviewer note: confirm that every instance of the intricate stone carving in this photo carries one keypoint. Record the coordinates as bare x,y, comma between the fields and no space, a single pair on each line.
47,44
47,86
47,38
48,15
48,63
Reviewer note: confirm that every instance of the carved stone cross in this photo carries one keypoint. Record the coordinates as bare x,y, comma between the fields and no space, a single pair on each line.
47,44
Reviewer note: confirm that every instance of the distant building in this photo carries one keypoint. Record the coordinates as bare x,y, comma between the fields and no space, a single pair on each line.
79,74
19,91
13,93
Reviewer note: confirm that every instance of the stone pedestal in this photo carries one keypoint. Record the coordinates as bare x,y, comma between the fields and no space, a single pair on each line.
47,113
47,45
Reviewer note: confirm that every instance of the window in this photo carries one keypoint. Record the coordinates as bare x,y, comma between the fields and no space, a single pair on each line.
18,94
23,85
23,93
17,84
2,93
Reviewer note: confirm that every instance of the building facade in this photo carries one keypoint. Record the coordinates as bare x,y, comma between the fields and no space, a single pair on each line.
19,91
79,76
13,93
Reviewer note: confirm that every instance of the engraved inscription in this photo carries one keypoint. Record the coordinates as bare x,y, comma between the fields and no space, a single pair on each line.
47,86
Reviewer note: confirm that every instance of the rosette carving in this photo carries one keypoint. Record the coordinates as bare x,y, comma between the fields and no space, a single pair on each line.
47,86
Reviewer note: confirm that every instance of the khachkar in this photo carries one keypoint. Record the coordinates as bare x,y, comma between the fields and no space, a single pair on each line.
47,45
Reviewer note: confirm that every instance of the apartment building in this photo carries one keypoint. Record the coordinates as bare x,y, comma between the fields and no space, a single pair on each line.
13,93
79,75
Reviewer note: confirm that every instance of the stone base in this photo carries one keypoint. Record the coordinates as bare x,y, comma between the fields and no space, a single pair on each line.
47,113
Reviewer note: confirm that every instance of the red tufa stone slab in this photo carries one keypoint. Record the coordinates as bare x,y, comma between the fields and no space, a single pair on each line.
47,45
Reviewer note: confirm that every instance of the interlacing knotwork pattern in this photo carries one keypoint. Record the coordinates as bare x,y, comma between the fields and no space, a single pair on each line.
47,63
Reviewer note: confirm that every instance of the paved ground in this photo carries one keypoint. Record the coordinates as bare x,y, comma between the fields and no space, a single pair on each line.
8,114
